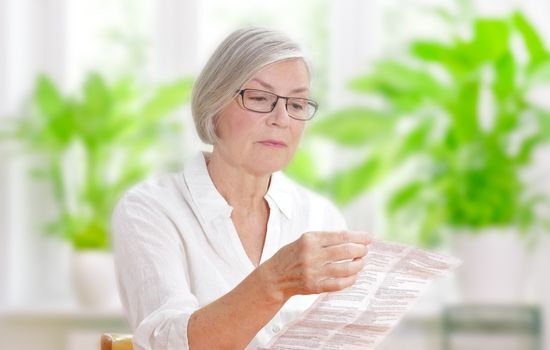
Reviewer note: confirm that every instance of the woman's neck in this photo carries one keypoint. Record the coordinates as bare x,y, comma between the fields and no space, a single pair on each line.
241,189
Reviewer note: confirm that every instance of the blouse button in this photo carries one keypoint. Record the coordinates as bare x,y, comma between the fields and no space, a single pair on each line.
276,329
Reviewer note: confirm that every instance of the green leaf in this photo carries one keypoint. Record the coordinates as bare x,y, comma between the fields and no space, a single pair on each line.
532,40
430,229
124,90
464,111
506,122
49,128
526,149
302,169
47,97
459,58
349,184
430,51
540,74
413,142
504,85
354,126
405,86
404,196
491,37
91,234
166,99
97,100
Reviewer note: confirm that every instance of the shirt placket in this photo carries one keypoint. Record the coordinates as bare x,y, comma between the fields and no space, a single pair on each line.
273,232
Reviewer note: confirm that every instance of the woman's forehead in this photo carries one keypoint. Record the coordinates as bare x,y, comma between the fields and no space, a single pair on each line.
270,87
292,75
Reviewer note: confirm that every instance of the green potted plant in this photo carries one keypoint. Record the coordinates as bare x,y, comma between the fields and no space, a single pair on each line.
455,120
91,148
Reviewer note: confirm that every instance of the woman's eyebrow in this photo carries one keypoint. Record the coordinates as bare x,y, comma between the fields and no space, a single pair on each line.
270,87
303,89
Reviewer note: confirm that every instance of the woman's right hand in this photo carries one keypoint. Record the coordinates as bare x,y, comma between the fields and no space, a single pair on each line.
315,264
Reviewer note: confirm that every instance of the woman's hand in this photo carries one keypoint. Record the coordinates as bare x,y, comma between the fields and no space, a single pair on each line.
314,264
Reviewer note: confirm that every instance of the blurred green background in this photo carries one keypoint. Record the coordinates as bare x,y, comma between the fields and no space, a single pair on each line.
460,109
434,122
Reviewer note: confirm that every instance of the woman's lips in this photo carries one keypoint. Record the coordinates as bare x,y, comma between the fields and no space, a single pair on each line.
273,143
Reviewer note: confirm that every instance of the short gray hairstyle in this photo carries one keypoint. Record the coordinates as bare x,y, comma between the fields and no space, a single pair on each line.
241,55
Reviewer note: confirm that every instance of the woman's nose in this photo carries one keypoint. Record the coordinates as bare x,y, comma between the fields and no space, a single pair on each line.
279,114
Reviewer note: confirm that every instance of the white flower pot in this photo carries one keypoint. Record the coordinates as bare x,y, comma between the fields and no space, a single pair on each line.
495,266
94,279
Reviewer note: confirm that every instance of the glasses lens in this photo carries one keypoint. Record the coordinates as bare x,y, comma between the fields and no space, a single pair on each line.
301,108
259,101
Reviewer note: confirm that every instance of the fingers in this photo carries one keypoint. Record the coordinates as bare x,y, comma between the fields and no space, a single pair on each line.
344,252
336,284
338,237
343,269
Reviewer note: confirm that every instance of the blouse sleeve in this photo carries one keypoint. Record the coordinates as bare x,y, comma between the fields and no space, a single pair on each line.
152,275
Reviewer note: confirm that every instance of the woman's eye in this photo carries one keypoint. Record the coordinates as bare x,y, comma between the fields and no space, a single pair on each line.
257,98
297,106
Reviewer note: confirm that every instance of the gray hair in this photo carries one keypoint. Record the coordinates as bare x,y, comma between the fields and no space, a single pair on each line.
241,55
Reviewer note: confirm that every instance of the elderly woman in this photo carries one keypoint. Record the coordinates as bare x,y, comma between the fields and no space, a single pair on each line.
225,253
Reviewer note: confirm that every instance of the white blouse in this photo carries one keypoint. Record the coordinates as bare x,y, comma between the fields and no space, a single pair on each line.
176,250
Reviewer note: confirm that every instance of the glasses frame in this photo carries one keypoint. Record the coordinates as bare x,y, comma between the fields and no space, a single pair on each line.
286,98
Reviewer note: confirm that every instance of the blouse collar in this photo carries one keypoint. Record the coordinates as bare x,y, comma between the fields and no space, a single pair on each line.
210,202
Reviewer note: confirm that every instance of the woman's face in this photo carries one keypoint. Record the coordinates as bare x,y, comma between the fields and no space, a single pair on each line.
262,143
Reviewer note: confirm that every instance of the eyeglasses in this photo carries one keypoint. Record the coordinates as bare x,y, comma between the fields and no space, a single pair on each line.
264,102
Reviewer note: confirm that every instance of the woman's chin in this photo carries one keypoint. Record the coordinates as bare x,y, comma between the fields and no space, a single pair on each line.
267,166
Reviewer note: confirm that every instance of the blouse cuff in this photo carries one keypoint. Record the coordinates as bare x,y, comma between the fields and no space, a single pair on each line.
166,329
